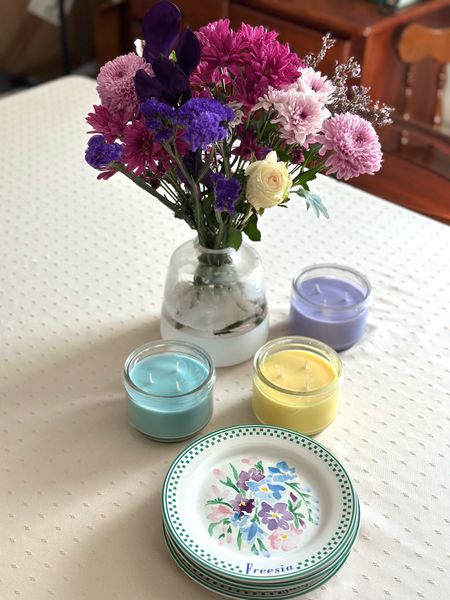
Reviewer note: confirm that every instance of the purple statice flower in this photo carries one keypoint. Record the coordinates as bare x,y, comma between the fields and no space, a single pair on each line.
243,505
244,476
276,516
204,121
159,117
354,145
226,193
99,154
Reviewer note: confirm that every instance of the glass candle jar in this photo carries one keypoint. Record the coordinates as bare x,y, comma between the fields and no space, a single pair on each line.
330,303
170,389
296,384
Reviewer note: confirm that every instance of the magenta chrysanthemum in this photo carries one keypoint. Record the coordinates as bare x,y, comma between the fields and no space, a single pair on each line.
141,152
249,61
115,83
354,145
270,63
110,125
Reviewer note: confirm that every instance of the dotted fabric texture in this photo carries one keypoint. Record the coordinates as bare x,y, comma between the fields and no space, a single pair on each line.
81,281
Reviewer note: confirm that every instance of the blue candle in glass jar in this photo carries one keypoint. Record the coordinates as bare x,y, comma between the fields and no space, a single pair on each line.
170,389
330,303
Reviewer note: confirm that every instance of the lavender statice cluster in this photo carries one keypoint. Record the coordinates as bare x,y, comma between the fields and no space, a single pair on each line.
99,154
204,120
226,192
353,99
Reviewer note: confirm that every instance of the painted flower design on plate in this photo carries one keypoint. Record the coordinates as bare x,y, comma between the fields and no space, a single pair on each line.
260,508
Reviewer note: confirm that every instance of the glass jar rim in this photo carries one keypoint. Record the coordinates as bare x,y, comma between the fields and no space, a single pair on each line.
163,344
366,288
227,250
304,343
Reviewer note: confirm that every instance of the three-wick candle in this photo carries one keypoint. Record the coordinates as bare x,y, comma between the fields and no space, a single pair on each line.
170,389
296,384
330,303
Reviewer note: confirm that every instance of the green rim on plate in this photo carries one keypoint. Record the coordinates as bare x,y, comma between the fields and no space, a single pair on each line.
257,497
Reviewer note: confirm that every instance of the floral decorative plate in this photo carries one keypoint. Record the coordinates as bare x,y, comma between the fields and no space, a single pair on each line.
237,590
259,503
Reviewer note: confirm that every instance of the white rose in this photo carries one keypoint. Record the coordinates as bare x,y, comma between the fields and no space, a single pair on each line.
268,182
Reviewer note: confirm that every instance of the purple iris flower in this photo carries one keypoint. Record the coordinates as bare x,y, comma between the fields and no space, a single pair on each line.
244,476
99,154
243,505
161,31
276,516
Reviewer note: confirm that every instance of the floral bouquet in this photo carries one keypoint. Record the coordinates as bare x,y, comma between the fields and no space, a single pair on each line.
219,126
262,509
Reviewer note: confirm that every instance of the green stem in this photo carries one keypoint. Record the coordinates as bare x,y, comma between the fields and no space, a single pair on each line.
141,183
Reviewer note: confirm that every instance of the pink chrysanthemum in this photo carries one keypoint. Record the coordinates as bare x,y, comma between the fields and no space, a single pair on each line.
314,82
110,125
299,114
354,145
115,83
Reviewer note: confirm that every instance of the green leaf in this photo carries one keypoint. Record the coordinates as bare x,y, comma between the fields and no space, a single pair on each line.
251,229
211,527
222,535
235,473
314,201
239,539
261,545
230,484
260,467
234,238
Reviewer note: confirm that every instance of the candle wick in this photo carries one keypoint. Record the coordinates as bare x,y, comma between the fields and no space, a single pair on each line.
346,297
317,288
177,366
178,386
324,301
280,372
306,365
307,386
150,377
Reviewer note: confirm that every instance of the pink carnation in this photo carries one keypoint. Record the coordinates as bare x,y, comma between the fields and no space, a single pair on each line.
354,145
110,125
115,83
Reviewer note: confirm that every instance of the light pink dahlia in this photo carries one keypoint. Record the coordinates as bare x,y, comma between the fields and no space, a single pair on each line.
115,83
314,82
354,145
299,114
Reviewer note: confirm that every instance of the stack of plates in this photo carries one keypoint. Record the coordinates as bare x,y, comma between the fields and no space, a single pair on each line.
255,511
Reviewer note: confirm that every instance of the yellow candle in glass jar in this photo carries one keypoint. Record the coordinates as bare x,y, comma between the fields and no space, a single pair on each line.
296,384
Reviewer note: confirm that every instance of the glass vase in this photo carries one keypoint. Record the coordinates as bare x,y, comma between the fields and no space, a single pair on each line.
216,299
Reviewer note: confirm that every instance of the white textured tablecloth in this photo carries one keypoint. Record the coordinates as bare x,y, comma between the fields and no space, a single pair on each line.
81,276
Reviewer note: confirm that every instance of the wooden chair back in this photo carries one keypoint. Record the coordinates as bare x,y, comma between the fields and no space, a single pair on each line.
418,43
